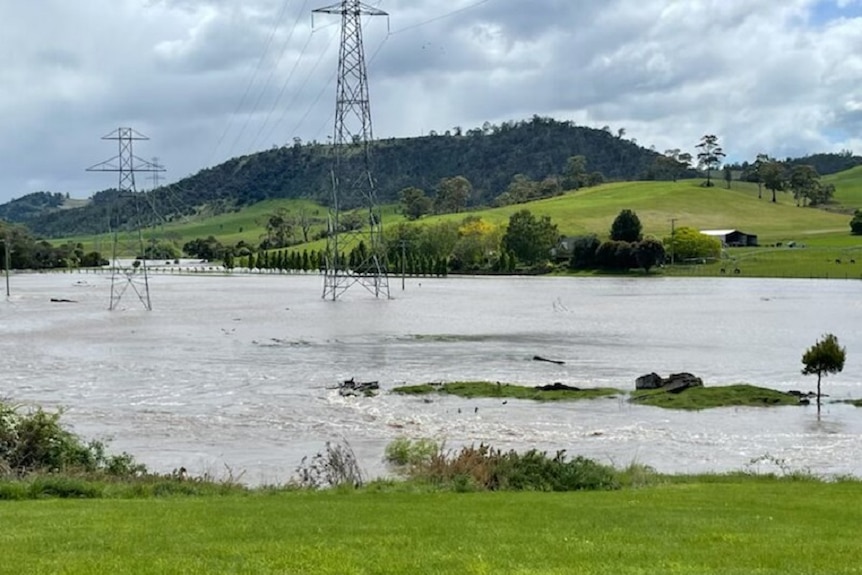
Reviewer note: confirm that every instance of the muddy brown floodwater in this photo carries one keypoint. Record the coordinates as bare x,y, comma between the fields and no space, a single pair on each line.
235,374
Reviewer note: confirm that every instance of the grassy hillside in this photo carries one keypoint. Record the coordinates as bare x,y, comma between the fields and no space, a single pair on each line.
592,210
848,187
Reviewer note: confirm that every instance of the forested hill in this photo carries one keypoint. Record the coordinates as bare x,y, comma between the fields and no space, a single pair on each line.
488,157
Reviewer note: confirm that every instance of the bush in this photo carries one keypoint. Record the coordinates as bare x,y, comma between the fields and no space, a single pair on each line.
36,442
404,452
484,468
584,252
335,466
856,223
616,255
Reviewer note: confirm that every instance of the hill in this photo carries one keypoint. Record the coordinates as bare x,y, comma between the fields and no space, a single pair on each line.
489,157
848,188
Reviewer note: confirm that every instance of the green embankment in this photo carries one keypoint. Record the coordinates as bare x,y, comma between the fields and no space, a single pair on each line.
732,525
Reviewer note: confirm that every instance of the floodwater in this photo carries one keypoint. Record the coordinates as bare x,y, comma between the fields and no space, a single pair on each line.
235,374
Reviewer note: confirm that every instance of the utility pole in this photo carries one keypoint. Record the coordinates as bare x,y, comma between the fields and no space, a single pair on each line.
7,257
403,262
672,239
354,249
125,163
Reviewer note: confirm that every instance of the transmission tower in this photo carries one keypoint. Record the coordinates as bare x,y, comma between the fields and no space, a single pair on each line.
125,163
355,253
156,176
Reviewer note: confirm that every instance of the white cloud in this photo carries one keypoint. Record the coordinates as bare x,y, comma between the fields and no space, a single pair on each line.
211,79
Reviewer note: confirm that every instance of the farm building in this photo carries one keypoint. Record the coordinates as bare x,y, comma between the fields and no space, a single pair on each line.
732,238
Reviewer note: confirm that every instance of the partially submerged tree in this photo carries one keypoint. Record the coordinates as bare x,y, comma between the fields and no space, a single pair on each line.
823,358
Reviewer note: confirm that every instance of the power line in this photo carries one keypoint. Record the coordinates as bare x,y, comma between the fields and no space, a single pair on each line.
250,82
266,84
438,18
308,77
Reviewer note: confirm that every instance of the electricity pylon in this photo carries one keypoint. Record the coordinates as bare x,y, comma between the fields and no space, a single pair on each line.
125,163
355,253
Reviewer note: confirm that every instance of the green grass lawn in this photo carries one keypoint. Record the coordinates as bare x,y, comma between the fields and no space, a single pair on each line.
724,526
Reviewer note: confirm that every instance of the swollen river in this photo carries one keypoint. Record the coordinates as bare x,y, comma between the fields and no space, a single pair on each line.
235,375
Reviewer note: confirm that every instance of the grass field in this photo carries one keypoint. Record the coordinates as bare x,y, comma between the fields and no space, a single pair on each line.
722,525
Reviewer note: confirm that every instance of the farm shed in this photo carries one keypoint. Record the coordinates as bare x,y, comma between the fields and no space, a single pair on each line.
732,238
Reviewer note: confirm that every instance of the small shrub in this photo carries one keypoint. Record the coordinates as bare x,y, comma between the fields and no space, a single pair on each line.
403,451
336,466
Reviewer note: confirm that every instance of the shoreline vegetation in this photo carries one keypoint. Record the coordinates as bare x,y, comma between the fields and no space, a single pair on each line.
693,398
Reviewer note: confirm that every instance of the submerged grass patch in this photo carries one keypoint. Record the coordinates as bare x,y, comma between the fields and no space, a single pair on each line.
472,389
695,398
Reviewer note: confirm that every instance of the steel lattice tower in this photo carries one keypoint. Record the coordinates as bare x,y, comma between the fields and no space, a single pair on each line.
125,163
355,253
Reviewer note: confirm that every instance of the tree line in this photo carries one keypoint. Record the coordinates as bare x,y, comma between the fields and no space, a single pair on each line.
488,157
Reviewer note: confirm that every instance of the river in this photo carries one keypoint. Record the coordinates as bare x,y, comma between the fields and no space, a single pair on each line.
234,375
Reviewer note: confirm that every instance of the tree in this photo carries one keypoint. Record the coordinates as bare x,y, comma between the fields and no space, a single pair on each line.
305,220
626,227
773,175
530,239
804,182
856,223
209,249
728,176
477,242
452,195
710,155
415,203
649,252
688,243
823,358
671,165
584,252
759,163
279,227
575,173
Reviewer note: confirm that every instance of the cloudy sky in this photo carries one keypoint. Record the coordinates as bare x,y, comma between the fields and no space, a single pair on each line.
208,80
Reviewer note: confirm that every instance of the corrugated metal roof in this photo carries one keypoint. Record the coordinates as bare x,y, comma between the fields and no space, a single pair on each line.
718,232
